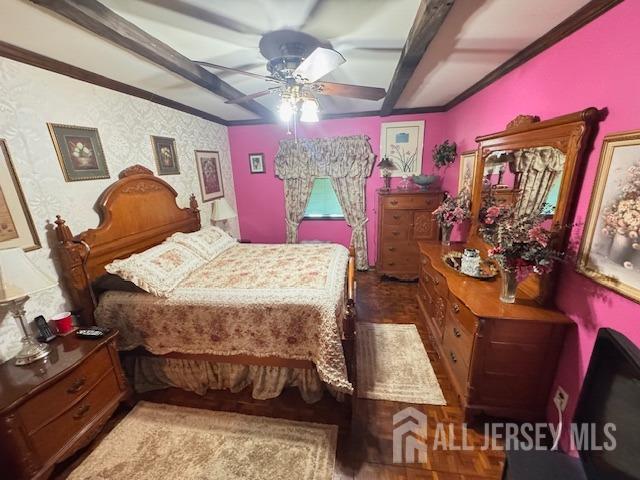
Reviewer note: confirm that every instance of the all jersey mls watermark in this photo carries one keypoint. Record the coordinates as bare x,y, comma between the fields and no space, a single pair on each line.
411,441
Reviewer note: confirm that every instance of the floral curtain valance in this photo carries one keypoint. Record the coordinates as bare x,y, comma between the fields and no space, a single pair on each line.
334,157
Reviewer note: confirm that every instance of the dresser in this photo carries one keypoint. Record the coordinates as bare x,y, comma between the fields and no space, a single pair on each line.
501,358
404,217
53,407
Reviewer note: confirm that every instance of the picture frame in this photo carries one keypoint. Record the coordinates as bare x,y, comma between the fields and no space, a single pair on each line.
402,143
17,229
256,163
209,175
79,152
609,251
466,177
165,154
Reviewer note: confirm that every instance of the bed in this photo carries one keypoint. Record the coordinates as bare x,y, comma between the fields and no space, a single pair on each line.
269,316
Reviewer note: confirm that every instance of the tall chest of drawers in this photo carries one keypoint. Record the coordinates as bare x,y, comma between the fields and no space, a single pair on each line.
53,407
501,358
404,217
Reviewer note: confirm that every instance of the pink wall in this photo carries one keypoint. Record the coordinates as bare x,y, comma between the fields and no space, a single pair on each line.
260,197
596,66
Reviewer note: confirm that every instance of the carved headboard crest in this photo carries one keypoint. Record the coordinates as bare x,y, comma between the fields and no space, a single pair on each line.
522,121
135,170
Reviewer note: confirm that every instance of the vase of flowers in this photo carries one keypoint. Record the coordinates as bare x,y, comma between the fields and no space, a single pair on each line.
452,210
520,246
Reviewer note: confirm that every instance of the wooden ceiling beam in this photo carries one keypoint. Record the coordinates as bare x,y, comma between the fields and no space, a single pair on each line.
95,17
429,19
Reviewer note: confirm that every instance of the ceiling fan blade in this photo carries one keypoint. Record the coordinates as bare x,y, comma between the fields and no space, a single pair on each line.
236,70
346,90
320,62
251,96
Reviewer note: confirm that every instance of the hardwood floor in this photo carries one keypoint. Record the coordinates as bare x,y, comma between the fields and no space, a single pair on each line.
364,447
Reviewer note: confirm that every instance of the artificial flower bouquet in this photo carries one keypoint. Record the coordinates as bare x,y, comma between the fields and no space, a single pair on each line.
452,210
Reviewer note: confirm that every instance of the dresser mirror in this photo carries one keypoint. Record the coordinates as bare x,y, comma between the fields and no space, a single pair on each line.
533,167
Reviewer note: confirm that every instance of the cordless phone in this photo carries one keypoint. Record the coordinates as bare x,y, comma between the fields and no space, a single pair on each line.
46,334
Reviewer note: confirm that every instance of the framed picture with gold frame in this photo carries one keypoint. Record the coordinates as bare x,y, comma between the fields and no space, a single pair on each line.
79,152
16,225
467,171
610,248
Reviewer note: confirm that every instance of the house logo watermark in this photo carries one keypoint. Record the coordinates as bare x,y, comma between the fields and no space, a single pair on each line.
411,442
409,436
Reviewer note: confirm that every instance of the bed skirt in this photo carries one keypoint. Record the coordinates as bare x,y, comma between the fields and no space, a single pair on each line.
154,373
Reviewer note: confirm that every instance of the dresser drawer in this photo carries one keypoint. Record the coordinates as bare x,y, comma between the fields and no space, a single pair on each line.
54,400
462,314
437,280
458,367
397,217
458,338
412,202
392,233
394,248
400,260
54,436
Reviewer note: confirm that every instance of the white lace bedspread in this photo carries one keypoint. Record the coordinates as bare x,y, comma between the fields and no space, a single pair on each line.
285,301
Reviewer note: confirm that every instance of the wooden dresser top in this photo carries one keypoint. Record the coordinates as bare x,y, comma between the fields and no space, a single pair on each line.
67,352
410,191
482,297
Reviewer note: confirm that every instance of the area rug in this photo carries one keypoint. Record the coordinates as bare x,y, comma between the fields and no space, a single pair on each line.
393,365
157,441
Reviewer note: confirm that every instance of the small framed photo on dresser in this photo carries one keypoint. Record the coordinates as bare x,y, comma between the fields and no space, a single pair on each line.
210,175
256,163
79,152
164,150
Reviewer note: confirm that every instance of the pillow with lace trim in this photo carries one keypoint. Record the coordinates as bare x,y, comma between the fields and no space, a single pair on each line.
208,242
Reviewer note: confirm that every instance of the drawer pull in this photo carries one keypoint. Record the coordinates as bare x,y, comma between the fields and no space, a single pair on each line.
396,233
391,264
436,281
424,261
456,308
82,411
396,217
453,357
456,332
393,202
392,249
77,385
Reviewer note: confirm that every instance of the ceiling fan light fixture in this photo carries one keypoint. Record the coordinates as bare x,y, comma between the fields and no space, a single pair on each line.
309,111
285,110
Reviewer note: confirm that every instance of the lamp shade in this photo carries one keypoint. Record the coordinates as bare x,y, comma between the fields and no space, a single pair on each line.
19,277
386,164
222,210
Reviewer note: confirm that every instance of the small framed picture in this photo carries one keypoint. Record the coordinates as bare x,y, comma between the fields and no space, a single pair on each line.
164,149
208,165
79,152
256,162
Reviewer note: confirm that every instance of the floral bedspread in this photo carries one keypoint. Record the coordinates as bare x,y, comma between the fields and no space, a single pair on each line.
286,301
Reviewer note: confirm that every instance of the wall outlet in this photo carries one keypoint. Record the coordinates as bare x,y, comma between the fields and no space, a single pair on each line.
561,398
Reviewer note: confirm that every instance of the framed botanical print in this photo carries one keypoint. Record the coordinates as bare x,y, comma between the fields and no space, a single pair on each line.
16,225
164,150
402,143
467,172
610,248
210,175
79,152
256,163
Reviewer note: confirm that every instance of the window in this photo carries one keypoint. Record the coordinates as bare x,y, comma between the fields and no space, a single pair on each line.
323,202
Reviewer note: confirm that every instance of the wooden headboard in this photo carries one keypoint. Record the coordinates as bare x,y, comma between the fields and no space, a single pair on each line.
137,212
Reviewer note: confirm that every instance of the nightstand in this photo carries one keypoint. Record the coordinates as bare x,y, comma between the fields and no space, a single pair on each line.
53,407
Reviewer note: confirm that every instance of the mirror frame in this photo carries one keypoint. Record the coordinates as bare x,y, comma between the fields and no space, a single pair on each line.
569,133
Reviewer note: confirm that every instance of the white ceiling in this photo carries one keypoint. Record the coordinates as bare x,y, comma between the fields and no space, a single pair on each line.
477,36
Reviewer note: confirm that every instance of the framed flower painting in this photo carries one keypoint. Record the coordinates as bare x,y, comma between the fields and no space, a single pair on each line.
610,248
210,175
79,152
402,143
164,150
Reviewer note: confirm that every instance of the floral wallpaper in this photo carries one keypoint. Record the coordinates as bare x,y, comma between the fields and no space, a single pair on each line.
31,97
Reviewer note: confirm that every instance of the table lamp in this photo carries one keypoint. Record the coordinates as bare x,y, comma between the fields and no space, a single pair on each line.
20,278
222,210
386,166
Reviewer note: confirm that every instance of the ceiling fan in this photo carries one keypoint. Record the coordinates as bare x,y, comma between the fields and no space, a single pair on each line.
297,62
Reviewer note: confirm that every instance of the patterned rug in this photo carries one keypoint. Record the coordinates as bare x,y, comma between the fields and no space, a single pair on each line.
393,365
157,441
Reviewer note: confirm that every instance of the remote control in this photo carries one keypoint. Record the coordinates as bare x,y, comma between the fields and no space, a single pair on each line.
92,332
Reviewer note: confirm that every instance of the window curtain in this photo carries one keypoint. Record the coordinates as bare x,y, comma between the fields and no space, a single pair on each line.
348,161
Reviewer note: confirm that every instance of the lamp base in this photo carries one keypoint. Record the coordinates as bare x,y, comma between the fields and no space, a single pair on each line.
31,351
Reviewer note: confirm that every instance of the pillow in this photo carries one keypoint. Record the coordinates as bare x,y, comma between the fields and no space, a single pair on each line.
208,242
157,270
114,283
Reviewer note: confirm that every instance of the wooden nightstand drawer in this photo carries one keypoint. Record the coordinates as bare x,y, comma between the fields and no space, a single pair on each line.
56,399
54,436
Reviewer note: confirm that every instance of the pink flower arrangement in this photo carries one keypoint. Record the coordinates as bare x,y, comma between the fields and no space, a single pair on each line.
452,210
